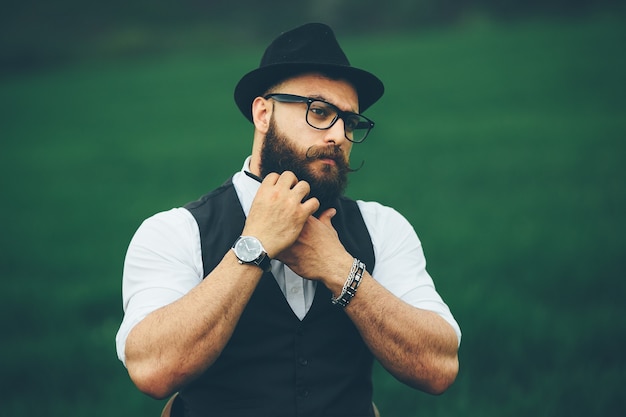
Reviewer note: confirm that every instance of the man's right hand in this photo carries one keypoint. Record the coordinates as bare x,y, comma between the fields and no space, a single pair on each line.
278,212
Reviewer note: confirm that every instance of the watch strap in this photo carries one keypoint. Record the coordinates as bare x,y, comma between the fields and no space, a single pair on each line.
263,262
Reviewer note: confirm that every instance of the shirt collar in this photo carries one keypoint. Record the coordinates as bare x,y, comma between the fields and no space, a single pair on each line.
245,186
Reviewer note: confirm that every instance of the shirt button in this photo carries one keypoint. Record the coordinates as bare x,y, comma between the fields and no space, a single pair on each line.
295,290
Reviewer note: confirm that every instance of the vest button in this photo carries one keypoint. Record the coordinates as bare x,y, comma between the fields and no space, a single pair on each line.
302,393
303,361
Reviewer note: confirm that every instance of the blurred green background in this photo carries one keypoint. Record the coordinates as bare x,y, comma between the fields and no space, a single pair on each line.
501,137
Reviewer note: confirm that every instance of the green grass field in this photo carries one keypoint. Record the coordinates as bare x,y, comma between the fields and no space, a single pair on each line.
505,146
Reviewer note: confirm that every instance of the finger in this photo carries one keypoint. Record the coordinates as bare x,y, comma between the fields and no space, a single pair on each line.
327,216
302,189
271,178
288,179
311,205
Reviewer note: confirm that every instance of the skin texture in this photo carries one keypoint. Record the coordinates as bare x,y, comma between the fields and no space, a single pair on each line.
176,343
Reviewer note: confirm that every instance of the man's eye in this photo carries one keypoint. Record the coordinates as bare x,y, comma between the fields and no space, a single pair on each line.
321,111
318,111
352,123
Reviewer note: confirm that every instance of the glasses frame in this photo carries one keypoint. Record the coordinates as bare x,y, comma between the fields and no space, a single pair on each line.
340,114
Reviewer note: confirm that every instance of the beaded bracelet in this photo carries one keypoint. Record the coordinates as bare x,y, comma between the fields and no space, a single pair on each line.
351,284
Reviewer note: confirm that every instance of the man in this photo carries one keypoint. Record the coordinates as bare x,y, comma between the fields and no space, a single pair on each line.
272,295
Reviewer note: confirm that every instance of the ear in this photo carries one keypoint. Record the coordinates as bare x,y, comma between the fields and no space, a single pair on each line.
261,114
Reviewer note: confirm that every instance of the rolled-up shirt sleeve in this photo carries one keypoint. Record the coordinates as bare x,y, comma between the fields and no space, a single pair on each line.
400,262
163,263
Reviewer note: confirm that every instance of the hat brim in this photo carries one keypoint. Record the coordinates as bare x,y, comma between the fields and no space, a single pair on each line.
252,85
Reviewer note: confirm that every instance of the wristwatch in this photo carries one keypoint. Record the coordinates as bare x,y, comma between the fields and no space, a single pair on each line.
249,250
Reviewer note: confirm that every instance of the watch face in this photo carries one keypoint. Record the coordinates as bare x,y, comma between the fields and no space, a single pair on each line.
248,249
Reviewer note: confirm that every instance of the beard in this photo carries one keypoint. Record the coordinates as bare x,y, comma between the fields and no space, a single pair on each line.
279,155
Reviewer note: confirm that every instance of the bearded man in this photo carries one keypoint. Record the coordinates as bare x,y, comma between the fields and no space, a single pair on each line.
273,294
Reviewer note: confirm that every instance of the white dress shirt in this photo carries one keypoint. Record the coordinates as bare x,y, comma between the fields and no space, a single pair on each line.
164,262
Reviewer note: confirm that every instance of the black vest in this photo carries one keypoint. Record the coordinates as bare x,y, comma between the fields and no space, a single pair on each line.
275,365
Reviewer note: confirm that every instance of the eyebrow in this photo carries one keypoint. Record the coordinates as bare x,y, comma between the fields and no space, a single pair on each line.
320,97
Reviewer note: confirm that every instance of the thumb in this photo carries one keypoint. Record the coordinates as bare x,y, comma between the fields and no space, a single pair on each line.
327,215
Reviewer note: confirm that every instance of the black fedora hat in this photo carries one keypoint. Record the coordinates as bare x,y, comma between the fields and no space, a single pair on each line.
311,47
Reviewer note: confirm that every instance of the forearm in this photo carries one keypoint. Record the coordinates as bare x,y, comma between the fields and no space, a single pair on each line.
176,343
417,346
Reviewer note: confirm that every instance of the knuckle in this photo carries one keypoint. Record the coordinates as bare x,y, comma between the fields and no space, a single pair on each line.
303,185
272,175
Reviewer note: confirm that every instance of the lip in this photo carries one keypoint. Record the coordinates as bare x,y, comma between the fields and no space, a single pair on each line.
328,161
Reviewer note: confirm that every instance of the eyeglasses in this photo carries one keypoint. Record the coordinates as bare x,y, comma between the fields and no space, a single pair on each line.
322,115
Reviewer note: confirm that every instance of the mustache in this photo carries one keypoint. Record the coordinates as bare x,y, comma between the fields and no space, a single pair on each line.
331,152
325,152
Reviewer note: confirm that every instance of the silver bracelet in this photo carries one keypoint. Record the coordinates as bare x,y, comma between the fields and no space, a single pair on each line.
351,284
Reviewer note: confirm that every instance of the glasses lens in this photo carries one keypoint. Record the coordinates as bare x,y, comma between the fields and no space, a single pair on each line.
357,127
321,115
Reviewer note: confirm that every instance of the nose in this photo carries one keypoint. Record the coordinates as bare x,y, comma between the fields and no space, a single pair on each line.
336,133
